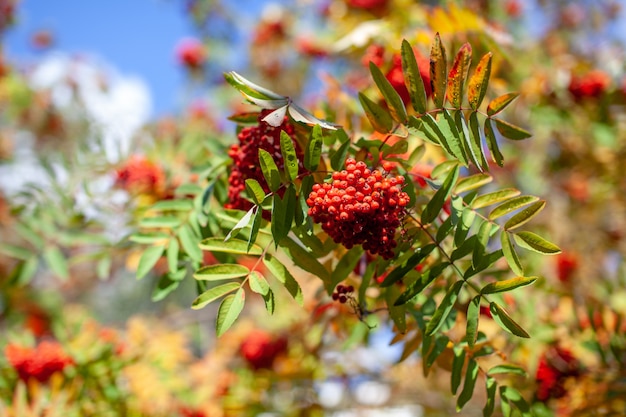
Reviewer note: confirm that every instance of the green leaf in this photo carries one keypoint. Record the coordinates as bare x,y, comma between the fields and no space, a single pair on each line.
164,287
434,206
255,191
482,238
443,168
103,267
270,170
172,205
229,311
172,254
235,246
242,223
256,226
512,205
444,308
283,211
457,369
166,222
507,369
440,345
472,182
490,384
284,276
421,283
506,322
495,197
313,151
220,272
507,285
457,75
258,283
148,238
492,144
270,302
444,230
249,88
189,242
511,395
15,251
438,71
401,270
397,313
525,215
471,374
148,260
510,131
451,136
288,151
338,158
393,99
462,229
56,262
499,103
473,314
536,243
475,141
473,151
477,85
510,255
24,272
188,189
379,118
413,78
307,261
346,265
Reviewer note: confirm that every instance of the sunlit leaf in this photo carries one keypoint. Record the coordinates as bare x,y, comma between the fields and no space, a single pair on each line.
164,287
534,242
495,197
235,246
255,191
507,368
244,222
393,99
512,205
189,242
338,158
511,395
440,345
510,255
507,285
413,78
421,283
451,136
288,151
307,261
472,182
457,75
249,88
284,276
471,374
510,131
525,215
346,264
472,151
499,103
478,82
270,302
476,142
172,205
438,71
444,308
482,238
229,311
313,151
379,118
269,169
256,226
462,229
258,283
221,272
505,321
18,252
473,314
146,238
148,260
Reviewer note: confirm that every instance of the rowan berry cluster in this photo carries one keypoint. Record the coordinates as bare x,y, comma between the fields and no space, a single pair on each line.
245,156
342,292
360,207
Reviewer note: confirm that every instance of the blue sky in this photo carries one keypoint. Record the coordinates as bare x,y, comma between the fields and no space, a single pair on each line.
137,37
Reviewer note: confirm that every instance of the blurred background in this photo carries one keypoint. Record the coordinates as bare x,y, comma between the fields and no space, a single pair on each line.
107,107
